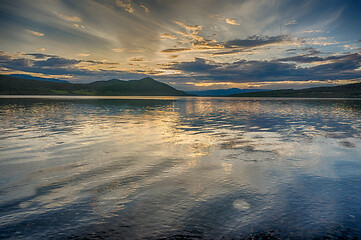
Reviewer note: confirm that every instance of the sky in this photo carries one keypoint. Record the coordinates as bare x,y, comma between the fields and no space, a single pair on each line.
189,44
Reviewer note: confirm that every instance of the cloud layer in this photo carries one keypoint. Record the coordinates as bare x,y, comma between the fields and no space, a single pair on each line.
189,43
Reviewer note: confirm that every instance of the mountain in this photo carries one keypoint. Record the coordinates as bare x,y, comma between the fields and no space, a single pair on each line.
24,76
144,87
224,92
342,91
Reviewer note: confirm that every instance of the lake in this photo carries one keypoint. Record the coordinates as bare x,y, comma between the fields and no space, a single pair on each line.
179,168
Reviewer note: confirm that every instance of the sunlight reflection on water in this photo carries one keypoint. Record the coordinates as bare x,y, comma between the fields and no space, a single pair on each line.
213,167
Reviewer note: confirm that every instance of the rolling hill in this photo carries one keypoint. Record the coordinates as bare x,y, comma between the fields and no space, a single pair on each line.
143,87
342,91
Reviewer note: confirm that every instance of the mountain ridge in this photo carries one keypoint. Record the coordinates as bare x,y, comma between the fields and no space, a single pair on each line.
224,92
352,90
149,87
114,87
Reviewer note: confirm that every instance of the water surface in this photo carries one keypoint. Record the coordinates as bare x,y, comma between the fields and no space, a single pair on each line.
179,168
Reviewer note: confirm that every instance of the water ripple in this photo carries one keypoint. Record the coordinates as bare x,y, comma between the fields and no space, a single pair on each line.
196,167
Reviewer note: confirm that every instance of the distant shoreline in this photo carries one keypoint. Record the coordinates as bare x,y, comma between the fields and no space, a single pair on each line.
167,97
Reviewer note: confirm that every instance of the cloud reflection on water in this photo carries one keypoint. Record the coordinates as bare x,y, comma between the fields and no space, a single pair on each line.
161,166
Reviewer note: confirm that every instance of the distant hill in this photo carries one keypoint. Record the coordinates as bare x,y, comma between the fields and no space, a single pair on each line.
342,91
144,87
224,92
24,76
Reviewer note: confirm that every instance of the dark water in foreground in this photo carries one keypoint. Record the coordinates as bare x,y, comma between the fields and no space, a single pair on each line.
180,167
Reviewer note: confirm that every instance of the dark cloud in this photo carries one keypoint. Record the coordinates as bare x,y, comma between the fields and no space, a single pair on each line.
340,64
245,45
302,59
4,56
39,55
171,50
56,62
240,70
21,62
56,65
232,51
351,59
256,41
26,64
199,65
135,59
12,62
311,51
335,67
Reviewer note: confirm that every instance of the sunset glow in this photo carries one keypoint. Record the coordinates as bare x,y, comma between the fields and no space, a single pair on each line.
210,43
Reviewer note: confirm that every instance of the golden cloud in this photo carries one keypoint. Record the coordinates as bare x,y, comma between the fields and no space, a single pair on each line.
146,10
168,36
78,25
188,27
39,34
83,54
118,50
68,17
231,21
127,6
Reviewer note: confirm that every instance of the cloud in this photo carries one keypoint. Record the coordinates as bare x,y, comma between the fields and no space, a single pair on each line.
335,59
83,54
333,68
118,50
126,5
232,51
39,55
146,10
235,46
339,64
239,70
56,62
59,66
323,41
231,21
172,50
4,56
199,65
188,27
68,17
291,22
38,34
168,36
256,41
310,50
302,59
78,25
195,29
41,49
312,31
204,44
14,62
136,59
17,62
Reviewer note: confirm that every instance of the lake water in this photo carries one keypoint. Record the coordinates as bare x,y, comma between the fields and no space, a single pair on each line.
178,168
